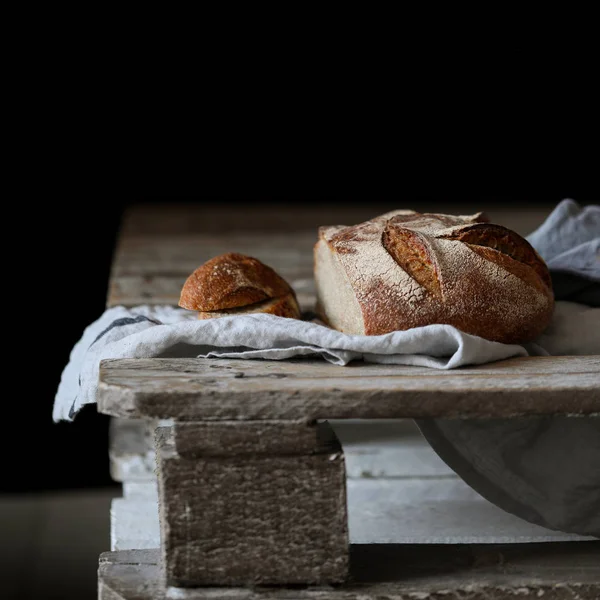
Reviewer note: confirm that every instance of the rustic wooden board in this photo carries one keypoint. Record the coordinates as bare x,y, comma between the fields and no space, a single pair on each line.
134,523
223,389
130,575
253,518
550,571
234,438
131,449
159,246
437,510
150,270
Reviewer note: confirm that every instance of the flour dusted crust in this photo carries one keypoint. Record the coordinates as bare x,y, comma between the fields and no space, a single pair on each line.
234,283
406,269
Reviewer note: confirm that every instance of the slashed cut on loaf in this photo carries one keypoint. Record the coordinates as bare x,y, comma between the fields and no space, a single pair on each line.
406,269
234,284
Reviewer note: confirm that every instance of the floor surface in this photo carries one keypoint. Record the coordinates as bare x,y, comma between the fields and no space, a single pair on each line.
50,543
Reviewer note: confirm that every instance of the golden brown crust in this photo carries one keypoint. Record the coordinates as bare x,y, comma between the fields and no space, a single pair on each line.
508,244
231,281
411,269
286,306
409,249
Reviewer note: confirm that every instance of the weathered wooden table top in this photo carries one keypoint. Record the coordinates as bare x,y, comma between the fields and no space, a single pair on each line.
222,389
399,572
160,246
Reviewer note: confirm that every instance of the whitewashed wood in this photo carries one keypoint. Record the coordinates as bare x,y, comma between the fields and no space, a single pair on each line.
434,511
131,449
199,389
134,519
134,524
134,575
391,448
142,490
548,571
134,467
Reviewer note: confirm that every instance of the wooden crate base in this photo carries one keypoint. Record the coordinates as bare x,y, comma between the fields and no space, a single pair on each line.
550,571
264,516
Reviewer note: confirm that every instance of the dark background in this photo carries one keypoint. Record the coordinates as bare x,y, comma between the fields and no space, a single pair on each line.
61,287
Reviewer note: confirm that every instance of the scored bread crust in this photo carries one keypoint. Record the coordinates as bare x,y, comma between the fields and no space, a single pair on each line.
286,306
230,281
406,269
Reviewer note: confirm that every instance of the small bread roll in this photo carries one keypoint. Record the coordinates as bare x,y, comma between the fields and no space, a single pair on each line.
235,284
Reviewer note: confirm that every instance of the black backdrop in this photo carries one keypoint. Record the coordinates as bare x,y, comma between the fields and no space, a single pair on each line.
61,284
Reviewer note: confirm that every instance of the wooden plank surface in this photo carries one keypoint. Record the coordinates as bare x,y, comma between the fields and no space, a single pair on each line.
152,269
223,389
245,519
159,246
134,523
437,510
399,572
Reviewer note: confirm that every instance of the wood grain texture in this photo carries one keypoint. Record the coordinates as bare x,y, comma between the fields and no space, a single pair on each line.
151,270
134,523
428,572
159,246
130,575
231,438
227,389
131,449
249,519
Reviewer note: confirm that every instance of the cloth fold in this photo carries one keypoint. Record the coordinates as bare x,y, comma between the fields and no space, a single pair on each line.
569,241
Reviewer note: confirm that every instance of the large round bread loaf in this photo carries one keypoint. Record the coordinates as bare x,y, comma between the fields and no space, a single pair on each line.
406,269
